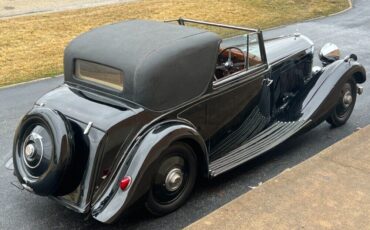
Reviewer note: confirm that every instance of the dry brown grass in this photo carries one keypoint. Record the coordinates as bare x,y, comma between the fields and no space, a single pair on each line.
32,47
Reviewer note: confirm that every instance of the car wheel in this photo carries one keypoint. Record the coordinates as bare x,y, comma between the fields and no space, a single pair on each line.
346,103
173,181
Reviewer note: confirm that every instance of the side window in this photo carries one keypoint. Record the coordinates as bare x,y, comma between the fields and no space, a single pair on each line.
230,60
254,55
238,54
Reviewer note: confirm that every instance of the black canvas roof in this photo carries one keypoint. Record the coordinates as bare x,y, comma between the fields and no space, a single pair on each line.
164,64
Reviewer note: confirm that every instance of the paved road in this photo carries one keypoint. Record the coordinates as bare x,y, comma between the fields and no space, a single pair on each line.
21,210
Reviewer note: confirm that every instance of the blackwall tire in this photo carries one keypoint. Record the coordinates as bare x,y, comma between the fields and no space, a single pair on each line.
341,113
178,162
42,150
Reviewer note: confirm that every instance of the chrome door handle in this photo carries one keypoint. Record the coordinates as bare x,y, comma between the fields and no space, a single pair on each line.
268,81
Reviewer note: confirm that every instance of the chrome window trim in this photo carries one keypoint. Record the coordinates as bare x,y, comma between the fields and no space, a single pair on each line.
238,75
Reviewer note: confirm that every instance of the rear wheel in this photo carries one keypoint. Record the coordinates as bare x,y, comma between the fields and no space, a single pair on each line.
173,181
345,105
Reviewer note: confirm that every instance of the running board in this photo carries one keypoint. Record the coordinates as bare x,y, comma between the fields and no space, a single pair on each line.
264,141
249,128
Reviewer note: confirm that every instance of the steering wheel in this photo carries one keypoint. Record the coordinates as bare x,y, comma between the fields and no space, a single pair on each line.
230,60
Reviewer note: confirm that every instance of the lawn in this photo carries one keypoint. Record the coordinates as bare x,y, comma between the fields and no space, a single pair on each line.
31,47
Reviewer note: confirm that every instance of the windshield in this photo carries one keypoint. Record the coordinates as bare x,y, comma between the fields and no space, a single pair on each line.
239,51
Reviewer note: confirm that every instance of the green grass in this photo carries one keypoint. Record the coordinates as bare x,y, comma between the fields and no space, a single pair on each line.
32,47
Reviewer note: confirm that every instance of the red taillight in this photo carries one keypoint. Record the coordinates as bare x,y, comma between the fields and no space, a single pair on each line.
125,182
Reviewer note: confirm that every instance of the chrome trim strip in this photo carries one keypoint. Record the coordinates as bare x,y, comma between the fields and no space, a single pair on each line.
223,81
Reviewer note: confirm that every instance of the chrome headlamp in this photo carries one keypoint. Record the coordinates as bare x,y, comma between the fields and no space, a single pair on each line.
329,53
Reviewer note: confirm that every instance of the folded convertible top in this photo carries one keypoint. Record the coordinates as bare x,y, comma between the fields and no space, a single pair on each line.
175,63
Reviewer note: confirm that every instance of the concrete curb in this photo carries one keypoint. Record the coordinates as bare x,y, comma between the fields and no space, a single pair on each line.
345,10
327,191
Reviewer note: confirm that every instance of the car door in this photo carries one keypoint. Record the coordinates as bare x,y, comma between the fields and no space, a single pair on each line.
239,107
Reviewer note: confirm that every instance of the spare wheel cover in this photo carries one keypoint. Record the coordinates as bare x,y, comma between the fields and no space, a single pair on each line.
42,151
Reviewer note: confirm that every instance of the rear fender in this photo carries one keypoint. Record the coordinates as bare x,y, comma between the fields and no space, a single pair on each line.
140,164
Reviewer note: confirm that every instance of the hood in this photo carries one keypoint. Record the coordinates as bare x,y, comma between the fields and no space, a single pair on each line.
282,47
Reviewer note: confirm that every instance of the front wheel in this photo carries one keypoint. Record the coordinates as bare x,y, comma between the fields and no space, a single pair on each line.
345,105
173,181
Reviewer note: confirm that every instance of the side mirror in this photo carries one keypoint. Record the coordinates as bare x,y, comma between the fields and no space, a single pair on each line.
329,53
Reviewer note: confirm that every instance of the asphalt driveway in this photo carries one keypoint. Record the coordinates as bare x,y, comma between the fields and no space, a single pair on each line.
21,210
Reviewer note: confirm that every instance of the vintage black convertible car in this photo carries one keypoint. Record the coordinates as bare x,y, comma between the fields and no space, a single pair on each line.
147,107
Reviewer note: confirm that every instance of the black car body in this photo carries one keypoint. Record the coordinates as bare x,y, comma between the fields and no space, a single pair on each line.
147,106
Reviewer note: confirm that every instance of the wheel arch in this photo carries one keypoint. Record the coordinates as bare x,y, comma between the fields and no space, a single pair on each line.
324,94
170,132
140,163
201,154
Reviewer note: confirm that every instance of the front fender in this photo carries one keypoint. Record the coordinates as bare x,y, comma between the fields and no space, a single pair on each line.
139,165
324,94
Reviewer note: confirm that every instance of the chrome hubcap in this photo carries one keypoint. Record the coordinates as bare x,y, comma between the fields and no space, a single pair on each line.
174,179
33,150
30,150
347,99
